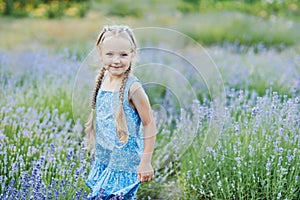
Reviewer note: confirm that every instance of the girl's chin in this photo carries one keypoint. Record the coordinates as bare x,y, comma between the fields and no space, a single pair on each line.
116,72
116,69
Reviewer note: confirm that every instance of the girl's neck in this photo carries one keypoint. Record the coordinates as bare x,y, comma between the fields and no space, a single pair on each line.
114,79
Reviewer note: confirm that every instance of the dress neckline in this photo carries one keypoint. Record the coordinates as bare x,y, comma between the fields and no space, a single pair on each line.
108,91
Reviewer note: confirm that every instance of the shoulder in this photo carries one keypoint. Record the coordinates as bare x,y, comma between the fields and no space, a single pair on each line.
133,83
135,86
136,89
132,79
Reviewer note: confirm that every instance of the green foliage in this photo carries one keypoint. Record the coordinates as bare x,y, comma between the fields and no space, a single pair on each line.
8,8
195,2
44,8
186,8
152,189
245,32
189,6
54,11
265,9
125,8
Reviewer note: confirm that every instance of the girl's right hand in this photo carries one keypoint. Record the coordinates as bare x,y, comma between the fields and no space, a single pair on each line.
145,172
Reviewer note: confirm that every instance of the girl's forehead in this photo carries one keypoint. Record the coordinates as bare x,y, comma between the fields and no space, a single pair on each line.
116,43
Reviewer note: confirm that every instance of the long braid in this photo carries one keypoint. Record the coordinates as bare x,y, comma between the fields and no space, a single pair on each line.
89,126
120,120
99,81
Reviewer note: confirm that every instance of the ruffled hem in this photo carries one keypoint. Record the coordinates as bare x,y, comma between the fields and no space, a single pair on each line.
106,183
95,174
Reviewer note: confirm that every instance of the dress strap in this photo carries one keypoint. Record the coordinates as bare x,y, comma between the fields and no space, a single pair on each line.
130,81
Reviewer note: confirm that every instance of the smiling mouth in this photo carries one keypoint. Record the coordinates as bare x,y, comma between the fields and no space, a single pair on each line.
116,66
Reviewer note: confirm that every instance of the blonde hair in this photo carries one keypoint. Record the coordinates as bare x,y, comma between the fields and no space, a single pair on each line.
120,121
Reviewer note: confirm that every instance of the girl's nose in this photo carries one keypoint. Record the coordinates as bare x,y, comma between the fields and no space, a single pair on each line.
116,59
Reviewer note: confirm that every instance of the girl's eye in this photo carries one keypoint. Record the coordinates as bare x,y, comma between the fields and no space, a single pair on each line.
124,54
109,54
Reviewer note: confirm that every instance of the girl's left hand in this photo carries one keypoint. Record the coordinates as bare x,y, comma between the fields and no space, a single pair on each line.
145,172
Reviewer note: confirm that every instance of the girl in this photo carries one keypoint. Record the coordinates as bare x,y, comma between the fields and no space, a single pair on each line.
123,152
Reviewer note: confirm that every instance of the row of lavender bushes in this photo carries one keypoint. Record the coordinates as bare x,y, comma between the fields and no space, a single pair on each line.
255,157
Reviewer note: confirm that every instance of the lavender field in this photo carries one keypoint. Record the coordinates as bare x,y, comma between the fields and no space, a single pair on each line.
255,157
223,80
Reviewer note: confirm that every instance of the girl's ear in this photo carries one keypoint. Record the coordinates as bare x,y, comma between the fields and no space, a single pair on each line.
133,55
100,53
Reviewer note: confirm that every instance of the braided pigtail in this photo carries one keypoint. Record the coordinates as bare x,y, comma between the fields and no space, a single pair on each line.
89,126
120,120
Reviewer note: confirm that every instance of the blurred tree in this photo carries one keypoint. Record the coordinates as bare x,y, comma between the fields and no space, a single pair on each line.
262,8
189,6
196,2
8,7
19,8
251,1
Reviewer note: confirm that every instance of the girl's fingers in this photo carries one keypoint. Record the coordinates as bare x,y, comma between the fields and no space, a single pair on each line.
147,178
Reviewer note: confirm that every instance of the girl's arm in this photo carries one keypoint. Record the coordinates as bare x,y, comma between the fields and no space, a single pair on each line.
141,103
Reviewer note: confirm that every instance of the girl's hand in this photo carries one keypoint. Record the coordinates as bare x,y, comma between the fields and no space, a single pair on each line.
145,172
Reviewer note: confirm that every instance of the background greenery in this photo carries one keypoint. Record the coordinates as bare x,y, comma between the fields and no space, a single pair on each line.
271,23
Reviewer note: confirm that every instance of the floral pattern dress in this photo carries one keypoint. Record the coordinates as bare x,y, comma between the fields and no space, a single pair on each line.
114,172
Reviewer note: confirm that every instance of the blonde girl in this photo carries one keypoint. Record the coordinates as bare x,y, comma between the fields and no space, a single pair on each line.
124,136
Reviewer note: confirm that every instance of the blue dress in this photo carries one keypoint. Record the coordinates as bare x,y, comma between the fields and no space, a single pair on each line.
114,172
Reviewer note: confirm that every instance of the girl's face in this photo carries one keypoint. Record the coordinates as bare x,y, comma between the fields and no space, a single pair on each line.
116,54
